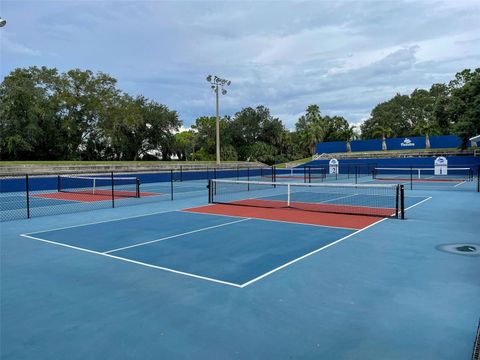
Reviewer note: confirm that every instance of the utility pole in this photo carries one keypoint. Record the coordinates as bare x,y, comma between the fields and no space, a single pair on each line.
216,85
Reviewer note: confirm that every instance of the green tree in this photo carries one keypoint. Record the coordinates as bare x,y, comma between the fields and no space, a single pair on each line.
140,126
348,135
185,143
384,131
86,100
30,125
311,128
427,128
464,107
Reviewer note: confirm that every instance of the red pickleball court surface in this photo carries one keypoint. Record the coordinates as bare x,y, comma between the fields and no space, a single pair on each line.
302,215
88,196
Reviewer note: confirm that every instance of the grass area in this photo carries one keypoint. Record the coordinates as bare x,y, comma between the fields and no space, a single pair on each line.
68,162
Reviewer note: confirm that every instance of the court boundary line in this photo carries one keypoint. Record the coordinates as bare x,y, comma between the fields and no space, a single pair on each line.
133,261
104,221
291,262
213,279
323,248
176,235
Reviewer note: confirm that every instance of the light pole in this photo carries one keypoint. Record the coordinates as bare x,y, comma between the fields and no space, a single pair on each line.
216,84
3,22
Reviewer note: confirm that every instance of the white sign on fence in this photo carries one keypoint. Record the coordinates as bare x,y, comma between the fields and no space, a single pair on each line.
333,166
441,166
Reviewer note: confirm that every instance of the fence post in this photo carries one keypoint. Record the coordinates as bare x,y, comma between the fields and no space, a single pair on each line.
27,190
411,177
478,178
113,191
171,184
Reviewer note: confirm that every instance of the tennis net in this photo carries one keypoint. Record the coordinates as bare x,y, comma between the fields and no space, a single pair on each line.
358,199
306,174
452,174
102,186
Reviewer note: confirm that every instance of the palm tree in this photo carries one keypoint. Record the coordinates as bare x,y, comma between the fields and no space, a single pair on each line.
427,128
349,135
384,132
312,136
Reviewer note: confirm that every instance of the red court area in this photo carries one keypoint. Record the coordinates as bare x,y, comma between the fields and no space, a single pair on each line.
356,222
88,196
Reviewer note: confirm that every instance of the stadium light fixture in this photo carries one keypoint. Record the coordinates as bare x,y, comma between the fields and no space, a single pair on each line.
217,84
3,22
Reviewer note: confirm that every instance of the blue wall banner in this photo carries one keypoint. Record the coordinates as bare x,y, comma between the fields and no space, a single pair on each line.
403,143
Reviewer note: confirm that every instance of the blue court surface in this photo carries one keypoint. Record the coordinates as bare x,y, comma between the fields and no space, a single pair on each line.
154,282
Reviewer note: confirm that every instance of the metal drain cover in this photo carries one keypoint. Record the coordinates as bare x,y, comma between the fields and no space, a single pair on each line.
461,249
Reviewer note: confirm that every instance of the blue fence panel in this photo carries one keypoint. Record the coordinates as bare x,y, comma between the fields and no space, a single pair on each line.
331,147
367,145
403,143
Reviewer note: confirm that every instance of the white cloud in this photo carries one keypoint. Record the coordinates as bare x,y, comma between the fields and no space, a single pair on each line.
345,56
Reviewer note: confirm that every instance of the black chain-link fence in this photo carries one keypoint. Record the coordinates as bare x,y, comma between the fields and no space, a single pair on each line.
28,196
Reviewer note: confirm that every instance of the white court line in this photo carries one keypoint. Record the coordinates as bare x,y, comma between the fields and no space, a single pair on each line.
463,182
412,206
338,198
322,248
309,254
261,219
104,221
176,235
207,278
133,261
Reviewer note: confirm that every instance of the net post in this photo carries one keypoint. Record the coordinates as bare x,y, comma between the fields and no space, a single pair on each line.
238,172
59,186
288,195
137,184
113,190
181,173
397,196
356,174
27,191
171,184
215,173
402,202
248,174
210,192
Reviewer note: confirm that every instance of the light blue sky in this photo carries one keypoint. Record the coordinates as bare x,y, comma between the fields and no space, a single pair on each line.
344,56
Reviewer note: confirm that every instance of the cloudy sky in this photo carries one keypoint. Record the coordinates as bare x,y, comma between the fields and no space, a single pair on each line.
344,56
